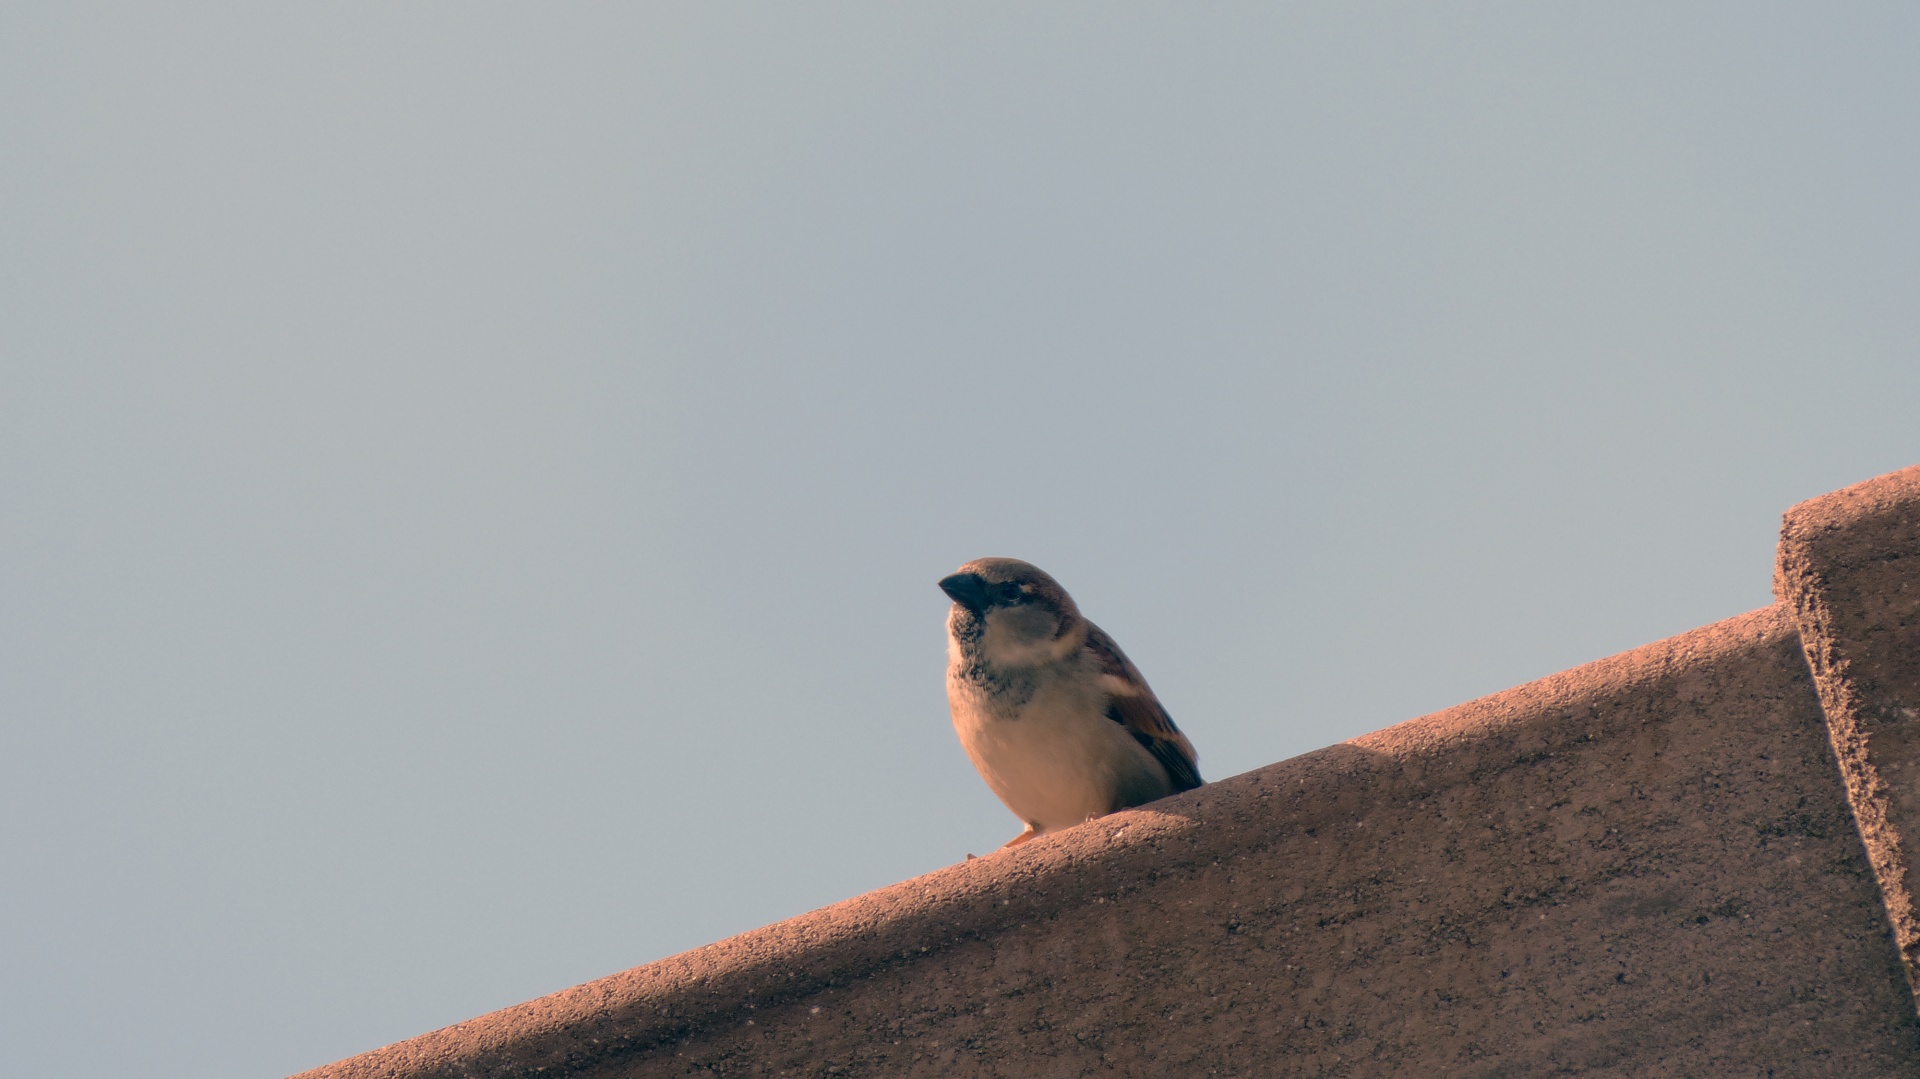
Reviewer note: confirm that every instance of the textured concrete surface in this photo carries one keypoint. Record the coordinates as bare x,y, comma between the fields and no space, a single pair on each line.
1645,866
1850,568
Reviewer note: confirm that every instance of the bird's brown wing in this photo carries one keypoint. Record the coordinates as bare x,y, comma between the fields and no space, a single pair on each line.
1131,704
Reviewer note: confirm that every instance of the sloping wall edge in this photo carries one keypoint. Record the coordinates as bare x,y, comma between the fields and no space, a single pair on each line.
1843,580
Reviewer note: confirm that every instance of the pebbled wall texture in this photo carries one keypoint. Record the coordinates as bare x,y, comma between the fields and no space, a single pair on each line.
1691,859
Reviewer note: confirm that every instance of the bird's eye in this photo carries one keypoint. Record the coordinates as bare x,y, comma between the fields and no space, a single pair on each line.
1011,593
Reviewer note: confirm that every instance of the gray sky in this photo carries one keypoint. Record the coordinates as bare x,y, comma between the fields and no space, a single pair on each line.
472,478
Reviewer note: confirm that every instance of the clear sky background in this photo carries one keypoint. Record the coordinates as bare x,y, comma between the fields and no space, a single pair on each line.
472,478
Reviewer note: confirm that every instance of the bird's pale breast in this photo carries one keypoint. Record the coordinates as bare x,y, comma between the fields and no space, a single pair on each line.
1055,759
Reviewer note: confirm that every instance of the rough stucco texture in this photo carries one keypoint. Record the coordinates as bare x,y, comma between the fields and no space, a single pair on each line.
1646,866
1850,568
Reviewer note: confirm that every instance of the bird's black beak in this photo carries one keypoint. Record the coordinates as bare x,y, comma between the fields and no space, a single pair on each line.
969,590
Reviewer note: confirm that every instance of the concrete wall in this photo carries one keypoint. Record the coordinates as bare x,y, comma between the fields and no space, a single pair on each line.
1645,866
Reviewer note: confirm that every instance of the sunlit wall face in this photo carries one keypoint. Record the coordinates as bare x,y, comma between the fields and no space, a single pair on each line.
472,480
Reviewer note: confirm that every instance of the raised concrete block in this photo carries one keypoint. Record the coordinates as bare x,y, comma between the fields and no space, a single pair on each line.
1645,866
1850,568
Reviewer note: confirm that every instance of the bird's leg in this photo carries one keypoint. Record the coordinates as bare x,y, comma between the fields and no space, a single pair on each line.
1032,830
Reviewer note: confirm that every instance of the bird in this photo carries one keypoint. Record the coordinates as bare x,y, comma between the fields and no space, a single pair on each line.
1060,724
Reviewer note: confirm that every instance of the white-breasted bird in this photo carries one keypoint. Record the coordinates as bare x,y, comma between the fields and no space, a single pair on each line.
1056,718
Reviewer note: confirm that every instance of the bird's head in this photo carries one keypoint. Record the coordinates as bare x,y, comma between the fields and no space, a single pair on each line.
1011,613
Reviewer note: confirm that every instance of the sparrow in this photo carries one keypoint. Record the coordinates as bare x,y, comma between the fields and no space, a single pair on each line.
1053,715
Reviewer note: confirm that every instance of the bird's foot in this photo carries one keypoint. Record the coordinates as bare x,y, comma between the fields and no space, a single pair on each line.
1032,830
